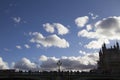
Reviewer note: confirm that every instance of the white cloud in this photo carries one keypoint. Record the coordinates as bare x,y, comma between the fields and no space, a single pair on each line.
91,14
49,64
88,34
81,21
89,27
49,27
105,29
62,30
94,16
109,27
49,41
12,65
18,47
86,62
96,44
3,65
25,64
82,52
17,19
43,58
27,46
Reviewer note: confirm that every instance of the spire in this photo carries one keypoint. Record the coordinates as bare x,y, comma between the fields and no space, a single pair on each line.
117,45
103,47
114,47
100,53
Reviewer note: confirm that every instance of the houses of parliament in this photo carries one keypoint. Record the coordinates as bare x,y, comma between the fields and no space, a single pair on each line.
109,59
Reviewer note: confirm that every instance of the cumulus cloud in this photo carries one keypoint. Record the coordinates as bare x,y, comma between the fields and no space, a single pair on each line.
85,62
18,47
27,46
49,41
88,34
3,65
49,27
109,27
81,21
96,44
89,27
25,64
62,30
43,58
49,64
104,30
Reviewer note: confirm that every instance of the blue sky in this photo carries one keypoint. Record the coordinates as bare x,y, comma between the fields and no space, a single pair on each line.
31,30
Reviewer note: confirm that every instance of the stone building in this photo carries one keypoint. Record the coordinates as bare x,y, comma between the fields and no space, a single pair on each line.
109,59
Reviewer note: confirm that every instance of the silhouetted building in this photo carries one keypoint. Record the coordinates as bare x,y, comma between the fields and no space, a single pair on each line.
7,70
109,59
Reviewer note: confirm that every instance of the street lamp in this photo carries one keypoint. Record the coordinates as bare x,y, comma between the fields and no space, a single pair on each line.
59,63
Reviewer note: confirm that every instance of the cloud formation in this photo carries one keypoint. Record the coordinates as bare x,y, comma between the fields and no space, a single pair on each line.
96,44
102,31
43,58
25,64
49,27
89,27
27,46
3,64
109,27
61,29
49,41
17,19
18,47
82,52
81,21
48,63
85,62
93,16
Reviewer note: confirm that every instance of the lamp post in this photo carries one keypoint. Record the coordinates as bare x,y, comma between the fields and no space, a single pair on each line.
59,63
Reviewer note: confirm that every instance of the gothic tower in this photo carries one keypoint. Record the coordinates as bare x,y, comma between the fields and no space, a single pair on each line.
109,59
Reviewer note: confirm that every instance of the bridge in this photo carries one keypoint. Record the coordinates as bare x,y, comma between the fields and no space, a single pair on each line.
56,76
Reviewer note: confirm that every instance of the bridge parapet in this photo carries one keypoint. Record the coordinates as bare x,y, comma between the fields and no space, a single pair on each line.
57,76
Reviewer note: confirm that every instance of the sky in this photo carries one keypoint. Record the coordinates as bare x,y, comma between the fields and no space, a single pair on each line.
35,34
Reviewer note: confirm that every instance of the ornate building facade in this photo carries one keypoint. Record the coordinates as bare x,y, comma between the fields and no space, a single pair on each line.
109,59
